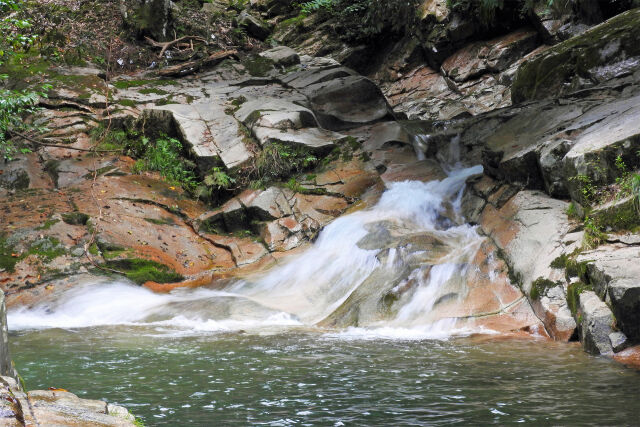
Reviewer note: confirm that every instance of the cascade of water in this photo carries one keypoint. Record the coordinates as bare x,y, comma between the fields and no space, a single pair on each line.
353,266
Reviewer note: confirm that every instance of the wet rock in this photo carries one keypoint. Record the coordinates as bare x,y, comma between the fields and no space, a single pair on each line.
6,364
529,229
282,55
551,156
596,324
618,341
614,273
554,312
604,52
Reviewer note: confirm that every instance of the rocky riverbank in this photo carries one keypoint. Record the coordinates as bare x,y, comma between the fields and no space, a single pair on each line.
278,142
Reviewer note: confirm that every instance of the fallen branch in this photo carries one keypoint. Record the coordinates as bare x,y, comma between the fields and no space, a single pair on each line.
193,66
46,144
166,45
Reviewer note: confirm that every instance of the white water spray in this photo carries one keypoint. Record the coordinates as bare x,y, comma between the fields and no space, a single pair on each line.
336,276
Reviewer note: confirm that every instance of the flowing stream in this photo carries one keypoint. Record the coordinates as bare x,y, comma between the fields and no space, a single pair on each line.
345,333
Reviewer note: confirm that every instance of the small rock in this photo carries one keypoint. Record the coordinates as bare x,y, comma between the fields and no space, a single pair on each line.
618,341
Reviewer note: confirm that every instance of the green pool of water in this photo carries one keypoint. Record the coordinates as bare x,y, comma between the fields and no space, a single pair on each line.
297,377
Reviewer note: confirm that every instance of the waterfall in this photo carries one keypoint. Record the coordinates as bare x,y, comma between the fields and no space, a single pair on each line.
384,270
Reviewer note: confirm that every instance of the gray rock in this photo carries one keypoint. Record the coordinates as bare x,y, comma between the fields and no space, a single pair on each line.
77,252
551,156
596,324
6,364
604,52
255,27
275,113
151,18
594,152
210,133
347,102
554,312
269,204
625,301
282,55
618,341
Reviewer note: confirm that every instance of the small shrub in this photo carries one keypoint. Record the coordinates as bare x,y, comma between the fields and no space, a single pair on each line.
163,156
572,211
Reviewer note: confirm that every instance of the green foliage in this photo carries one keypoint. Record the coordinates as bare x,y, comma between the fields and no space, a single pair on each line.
218,179
635,188
14,104
142,270
573,295
593,235
163,156
279,160
540,286
362,20
8,255
315,5
572,211
585,186
560,262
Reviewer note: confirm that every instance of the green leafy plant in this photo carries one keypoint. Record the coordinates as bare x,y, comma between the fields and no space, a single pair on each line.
219,179
163,155
14,104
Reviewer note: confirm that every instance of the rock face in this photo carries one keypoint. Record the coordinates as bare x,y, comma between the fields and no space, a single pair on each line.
614,274
57,408
213,136
6,365
596,325
607,51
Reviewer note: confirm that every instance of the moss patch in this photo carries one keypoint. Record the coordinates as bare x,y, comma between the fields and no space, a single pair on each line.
142,270
47,248
573,295
8,257
257,66
540,286
75,218
48,224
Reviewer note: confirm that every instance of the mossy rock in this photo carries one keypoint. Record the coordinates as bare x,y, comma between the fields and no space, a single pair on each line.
142,270
581,60
75,218
540,286
618,215
573,295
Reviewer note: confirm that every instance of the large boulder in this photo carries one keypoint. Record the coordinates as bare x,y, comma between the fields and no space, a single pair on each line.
489,56
615,275
281,55
596,324
152,18
347,102
254,26
604,52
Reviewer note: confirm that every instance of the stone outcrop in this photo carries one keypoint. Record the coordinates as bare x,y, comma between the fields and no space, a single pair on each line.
604,52
596,326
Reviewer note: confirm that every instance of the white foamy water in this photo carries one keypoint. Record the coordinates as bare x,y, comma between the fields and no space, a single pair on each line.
320,285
